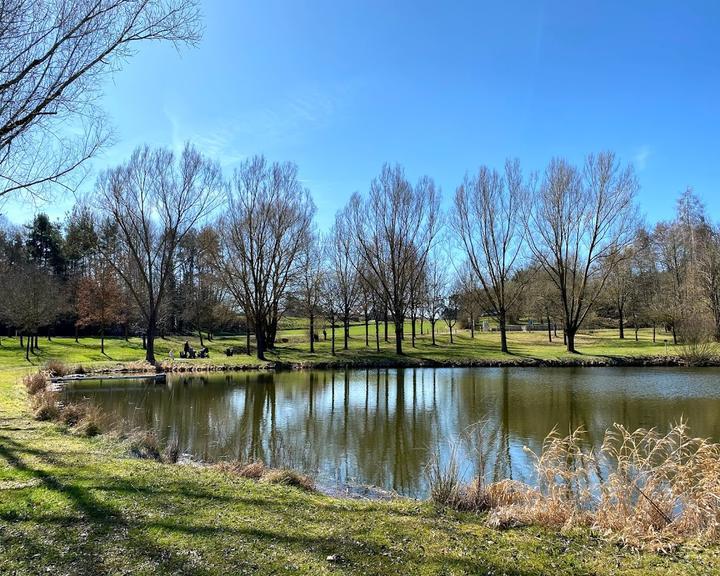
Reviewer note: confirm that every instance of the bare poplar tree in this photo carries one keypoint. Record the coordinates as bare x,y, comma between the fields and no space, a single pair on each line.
435,289
395,227
342,269
54,55
155,200
263,234
488,223
579,224
311,283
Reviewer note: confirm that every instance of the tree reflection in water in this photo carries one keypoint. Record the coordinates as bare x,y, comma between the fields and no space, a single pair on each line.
380,426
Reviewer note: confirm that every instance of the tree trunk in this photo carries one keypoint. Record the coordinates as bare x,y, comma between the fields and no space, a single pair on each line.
346,330
22,342
621,321
377,334
27,349
674,333
144,342
570,336
549,329
202,344
76,334
36,343
432,329
367,329
312,333
150,341
503,332
332,336
472,325
247,339
654,332
127,332
398,336
412,329
386,326
260,341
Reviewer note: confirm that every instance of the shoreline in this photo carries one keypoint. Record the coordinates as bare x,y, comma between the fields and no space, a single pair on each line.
396,363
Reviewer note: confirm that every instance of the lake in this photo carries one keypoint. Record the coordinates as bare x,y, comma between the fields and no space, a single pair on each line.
381,427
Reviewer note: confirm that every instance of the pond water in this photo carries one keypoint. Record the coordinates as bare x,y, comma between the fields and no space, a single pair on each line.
381,427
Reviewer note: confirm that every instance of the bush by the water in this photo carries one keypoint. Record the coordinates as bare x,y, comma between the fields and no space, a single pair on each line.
45,405
145,444
287,477
35,382
90,423
57,368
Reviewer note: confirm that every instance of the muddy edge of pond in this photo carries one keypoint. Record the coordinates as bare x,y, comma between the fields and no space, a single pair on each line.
365,363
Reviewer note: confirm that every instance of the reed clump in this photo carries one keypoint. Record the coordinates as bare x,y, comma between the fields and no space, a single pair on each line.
45,406
35,382
642,488
57,368
256,470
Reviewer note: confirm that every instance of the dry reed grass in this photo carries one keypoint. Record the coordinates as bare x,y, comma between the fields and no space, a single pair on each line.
642,488
35,382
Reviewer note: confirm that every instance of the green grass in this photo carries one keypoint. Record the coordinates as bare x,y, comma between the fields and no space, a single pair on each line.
71,505
599,345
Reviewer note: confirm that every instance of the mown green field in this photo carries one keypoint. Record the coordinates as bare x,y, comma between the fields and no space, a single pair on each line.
72,505
601,344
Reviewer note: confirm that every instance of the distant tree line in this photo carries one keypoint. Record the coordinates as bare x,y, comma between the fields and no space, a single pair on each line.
167,245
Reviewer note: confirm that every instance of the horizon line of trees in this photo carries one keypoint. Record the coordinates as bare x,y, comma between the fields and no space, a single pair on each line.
167,245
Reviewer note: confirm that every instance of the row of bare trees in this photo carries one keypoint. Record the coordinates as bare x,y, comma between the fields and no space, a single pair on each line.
167,243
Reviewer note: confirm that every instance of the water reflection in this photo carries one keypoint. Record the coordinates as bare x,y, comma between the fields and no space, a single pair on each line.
380,427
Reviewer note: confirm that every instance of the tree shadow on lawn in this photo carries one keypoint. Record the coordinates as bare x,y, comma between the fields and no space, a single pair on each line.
96,529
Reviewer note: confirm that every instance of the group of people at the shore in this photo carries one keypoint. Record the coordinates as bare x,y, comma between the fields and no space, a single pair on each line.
190,352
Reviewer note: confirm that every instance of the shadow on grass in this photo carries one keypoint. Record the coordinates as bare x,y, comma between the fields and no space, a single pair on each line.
117,526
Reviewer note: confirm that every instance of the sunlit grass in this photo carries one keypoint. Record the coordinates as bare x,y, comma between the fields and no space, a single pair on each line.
293,347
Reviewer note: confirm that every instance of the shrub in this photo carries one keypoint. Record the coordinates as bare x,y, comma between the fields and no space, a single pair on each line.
35,383
171,454
145,444
45,405
71,414
56,368
91,422
252,470
287,477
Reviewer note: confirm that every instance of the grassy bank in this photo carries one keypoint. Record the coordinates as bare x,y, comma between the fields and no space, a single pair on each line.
600,347
83,506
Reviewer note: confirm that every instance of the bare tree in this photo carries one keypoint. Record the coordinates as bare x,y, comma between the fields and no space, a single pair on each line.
579,224
53,57
263,234
155,200
434,300
488,223
343,269
395,227
311,283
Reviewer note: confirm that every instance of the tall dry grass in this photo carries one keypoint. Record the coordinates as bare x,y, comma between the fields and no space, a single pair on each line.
643,488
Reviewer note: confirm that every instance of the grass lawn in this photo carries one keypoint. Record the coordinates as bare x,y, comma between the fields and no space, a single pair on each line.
71,505
598,345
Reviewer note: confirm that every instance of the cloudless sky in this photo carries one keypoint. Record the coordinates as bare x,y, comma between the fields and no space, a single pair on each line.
341,87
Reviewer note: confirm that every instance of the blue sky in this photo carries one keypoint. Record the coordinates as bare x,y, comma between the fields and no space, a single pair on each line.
340,87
